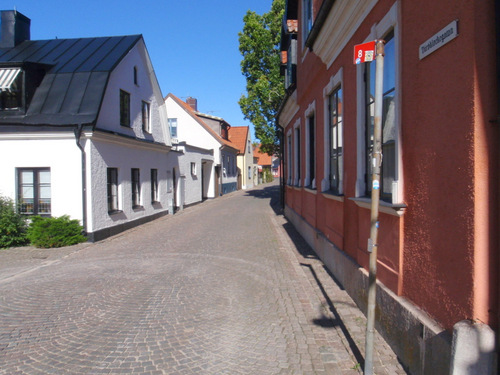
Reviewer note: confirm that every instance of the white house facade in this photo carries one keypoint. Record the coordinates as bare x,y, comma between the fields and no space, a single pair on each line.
84,130
219,170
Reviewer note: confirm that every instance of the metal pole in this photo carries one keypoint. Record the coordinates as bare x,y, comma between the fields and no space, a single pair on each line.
372,242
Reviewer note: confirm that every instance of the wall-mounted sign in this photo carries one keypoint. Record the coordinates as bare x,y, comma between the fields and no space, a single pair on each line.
438,40
364,52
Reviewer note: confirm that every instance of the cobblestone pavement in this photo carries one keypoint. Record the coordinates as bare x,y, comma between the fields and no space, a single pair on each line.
223,287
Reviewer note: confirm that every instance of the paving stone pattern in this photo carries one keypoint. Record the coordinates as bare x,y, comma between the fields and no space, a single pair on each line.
223,287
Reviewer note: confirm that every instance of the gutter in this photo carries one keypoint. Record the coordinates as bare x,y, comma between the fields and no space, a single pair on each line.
78,135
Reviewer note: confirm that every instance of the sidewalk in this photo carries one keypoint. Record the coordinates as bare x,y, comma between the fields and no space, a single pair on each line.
338,310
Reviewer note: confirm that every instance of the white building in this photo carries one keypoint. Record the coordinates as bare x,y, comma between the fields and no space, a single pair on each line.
218,172
83,130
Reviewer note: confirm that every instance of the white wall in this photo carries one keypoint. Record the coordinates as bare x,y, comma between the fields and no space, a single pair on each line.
193,182
122,78
124,155
58,152
194,134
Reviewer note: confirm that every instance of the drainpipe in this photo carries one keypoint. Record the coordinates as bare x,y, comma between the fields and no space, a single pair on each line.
78,135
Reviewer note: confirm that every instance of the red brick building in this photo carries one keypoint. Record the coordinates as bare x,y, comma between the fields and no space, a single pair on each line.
439,226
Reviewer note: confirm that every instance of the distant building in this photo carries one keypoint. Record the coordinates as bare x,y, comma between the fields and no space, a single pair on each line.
240,137
263,163
217,172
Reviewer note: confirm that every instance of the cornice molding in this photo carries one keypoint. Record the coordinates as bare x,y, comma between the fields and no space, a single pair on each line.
290,109
125,141
344,19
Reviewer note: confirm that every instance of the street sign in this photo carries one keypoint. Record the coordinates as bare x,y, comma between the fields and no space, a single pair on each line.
364,52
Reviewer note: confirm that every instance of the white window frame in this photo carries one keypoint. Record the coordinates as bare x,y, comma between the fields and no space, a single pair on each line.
390,21
171,122
155,187
310,112
289,164
335,82
137,197
118,203
193,168
146,116
297,154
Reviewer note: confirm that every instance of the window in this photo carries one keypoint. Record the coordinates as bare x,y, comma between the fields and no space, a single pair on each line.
291,64
34,191
224,132
169,182
335,137
249,173
135,76
124,108
113,190
307,11
297,155
289,158
310,147
146,123
154,185
388,171
172,123
136,188
193,169
11,89
249,147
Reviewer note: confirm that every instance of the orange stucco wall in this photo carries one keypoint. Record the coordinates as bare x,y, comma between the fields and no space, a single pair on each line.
446,122
442,254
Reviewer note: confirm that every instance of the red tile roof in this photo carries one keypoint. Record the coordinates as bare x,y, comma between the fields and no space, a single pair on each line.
238,136
262,158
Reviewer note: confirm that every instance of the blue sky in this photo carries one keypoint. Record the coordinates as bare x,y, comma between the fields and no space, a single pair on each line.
193,44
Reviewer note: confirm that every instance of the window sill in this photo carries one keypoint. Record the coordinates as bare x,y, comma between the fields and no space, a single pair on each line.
138,207
387,208
328,194
311,190
114,212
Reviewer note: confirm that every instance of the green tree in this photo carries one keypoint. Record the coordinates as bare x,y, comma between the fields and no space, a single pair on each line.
12,225
260,48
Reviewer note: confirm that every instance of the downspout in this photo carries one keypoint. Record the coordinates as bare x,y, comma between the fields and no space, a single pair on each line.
78,135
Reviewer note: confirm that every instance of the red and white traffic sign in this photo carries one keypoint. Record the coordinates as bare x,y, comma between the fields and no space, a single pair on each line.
364,52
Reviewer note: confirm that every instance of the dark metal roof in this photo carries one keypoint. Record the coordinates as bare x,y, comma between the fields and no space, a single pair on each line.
76,75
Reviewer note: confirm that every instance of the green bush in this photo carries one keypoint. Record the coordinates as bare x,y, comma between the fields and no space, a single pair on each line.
48,232
12,225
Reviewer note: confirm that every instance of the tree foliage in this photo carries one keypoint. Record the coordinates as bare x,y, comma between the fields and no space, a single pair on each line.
12,225
259,46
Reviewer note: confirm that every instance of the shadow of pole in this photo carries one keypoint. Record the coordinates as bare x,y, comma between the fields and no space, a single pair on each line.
330,323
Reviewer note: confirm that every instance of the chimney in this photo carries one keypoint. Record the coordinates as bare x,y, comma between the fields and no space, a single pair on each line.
14,28
193,103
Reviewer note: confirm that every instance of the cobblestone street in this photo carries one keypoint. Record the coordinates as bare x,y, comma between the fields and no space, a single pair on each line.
223,287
